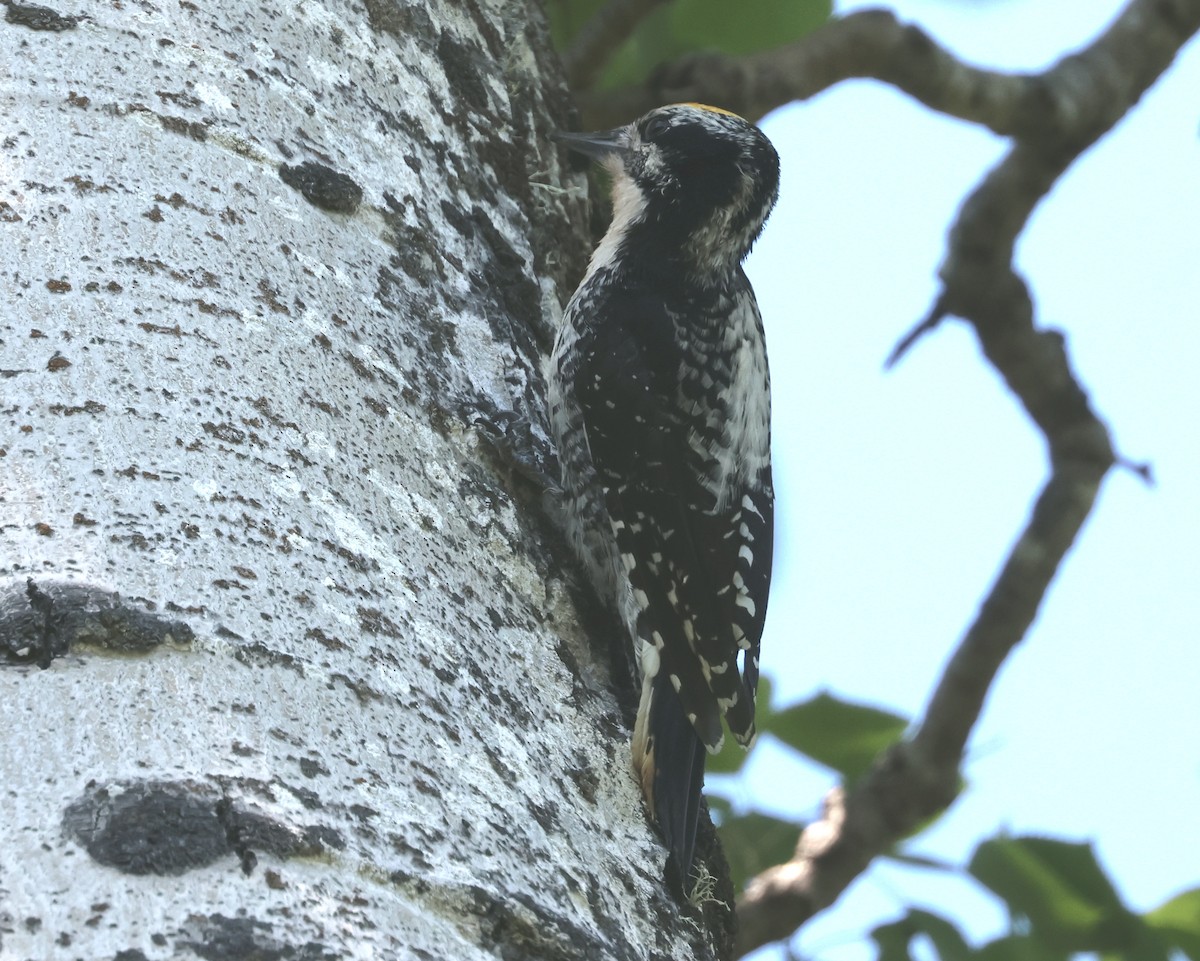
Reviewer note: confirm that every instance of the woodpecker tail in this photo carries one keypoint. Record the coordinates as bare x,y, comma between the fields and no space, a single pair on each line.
668,759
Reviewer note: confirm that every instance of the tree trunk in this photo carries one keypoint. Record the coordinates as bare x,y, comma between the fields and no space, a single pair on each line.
292,666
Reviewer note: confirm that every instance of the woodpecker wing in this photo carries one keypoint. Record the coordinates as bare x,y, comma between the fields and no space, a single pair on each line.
701,556
698,560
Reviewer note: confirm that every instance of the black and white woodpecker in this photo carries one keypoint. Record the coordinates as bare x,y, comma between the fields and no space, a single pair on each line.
660,405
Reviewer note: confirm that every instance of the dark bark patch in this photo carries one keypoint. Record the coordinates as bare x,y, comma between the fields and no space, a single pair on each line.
185,128
257,654
519,927
465,68
165,828
323,186
374,621
39,18
40,621
400,20
218,938
586,780
172,827
508,280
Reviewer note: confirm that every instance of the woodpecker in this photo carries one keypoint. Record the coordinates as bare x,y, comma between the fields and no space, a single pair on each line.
660,405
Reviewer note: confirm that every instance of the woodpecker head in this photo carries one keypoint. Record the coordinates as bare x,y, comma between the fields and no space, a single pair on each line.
692,187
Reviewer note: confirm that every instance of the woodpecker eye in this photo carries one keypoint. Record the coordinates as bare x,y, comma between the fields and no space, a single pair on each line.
655,126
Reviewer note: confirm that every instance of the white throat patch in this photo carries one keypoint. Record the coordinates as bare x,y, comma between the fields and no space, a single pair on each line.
629,206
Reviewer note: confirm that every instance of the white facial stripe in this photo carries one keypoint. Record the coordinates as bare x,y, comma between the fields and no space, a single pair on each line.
629,206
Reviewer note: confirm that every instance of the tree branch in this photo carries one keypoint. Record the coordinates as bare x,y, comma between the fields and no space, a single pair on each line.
869,43
601,37
1086,93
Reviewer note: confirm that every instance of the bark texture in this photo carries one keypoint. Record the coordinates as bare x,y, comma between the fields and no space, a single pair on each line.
285,669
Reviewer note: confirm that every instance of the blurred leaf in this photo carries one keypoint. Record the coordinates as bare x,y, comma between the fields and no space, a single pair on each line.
686,26
893,939
1018,947
754,842
846,737
721,809
1061,888
689,26
732,756
567,17
1178,922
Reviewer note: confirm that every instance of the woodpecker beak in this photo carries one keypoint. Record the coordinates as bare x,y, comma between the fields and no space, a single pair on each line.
599,146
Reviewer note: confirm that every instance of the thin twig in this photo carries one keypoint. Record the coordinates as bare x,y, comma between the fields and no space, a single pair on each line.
928,324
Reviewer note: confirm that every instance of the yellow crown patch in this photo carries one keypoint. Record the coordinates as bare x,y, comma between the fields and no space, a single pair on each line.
711,109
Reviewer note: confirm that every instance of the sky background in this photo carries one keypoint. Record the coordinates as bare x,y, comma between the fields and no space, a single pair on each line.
900,493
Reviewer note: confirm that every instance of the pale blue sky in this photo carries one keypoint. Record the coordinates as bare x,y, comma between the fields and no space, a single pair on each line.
900,493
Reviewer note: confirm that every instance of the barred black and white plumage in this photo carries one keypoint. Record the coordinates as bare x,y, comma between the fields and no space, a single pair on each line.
660,405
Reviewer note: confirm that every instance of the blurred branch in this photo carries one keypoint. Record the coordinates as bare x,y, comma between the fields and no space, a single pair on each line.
601,37
869,43
1085,94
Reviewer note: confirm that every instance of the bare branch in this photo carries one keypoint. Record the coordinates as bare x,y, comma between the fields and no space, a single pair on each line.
873,44
1087,93
869,43
601,37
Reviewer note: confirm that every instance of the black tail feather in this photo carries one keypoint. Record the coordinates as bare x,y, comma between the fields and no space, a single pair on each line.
678,781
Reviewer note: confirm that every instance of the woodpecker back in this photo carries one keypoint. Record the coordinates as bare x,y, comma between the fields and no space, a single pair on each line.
660,404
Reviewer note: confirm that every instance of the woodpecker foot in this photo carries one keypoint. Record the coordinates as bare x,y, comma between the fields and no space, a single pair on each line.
517,447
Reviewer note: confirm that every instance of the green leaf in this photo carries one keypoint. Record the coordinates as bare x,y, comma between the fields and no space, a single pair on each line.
1061,888
567,17
721,809
732,756
743,27
846,737
893,939
688,26
1018,947
1178,923
754,842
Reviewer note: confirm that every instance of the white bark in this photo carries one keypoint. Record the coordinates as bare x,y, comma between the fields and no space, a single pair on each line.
312,686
